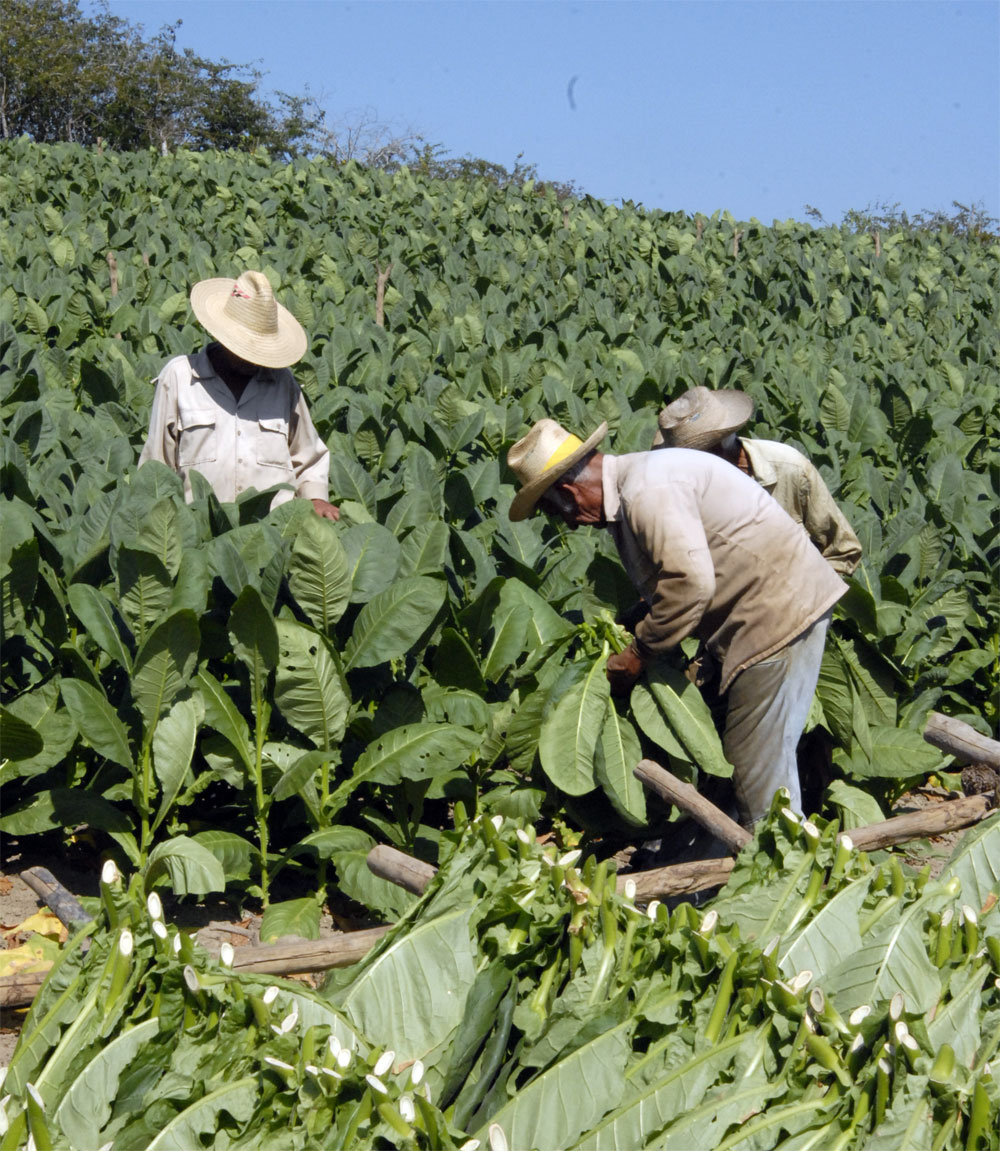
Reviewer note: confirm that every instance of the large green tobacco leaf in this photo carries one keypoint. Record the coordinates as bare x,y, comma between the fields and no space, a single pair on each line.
86,1105
373,558
299,917
569,735
145,589
307,685
569,1097
689,718
97,614
833,932
617,755
222,716
415,751
896,753
255,640
192,869
673,1094
18,739
318,575
892,957
411,995
509,632
188,1129
165,664
976,863
173,750
391,623
97,721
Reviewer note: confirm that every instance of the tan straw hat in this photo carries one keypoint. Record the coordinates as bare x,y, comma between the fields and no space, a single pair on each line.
547,452
702,417
244,317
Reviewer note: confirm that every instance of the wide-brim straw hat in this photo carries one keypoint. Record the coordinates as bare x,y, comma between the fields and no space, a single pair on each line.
702,417
547,452
244,316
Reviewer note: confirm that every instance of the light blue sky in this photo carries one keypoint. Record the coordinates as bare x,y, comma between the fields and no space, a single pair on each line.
756,107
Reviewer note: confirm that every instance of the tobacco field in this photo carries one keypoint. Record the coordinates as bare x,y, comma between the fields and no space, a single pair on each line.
230,699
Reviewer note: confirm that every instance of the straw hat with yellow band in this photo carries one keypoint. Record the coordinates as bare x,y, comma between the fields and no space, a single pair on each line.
547,452
244,317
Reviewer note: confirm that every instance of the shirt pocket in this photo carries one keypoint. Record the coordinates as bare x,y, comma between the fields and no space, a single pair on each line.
272,443
198,443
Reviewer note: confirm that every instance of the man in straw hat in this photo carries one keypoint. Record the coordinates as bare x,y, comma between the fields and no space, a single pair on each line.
707,420
233,411
714,556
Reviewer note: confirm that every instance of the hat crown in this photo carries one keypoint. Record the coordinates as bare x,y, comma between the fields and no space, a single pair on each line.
251,303
702,417
545,445
691,406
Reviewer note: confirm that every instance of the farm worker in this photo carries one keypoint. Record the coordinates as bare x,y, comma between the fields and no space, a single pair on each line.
715,557
233,411
708,421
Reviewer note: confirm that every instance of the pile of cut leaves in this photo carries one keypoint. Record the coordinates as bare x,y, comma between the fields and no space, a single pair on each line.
823,1000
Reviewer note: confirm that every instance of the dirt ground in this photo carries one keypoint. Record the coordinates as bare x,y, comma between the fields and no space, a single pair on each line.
216,921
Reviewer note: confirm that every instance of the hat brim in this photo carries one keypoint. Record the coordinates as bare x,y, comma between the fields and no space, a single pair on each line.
281,349
527,497
739,408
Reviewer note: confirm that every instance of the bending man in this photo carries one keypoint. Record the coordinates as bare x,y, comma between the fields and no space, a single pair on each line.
715,557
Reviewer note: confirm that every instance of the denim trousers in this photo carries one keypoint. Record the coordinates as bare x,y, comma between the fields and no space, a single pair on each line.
766,713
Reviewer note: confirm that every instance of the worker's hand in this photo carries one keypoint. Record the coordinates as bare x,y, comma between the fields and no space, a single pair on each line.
326,510
623,669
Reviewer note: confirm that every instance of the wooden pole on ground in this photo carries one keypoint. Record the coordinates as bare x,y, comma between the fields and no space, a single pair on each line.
63,904
687,798
961,740
400,868
948,816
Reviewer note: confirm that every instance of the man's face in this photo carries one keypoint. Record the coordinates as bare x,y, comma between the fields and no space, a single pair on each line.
575,504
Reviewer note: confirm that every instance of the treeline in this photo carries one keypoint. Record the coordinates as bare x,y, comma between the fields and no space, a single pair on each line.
99,80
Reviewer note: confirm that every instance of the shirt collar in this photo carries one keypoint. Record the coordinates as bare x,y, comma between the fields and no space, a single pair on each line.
201,367
609,480
761,466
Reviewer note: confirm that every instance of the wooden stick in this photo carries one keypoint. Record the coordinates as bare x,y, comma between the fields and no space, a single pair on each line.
20,989
300,955
62,903
961,740
687,798
383,279
678,878
400,868
948,816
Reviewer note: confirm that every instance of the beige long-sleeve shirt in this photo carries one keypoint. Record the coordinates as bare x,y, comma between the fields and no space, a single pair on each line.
785,473
714,556
265,438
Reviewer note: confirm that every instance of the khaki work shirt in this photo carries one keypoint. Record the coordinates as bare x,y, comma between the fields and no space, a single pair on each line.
714,556
786,474
264,438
